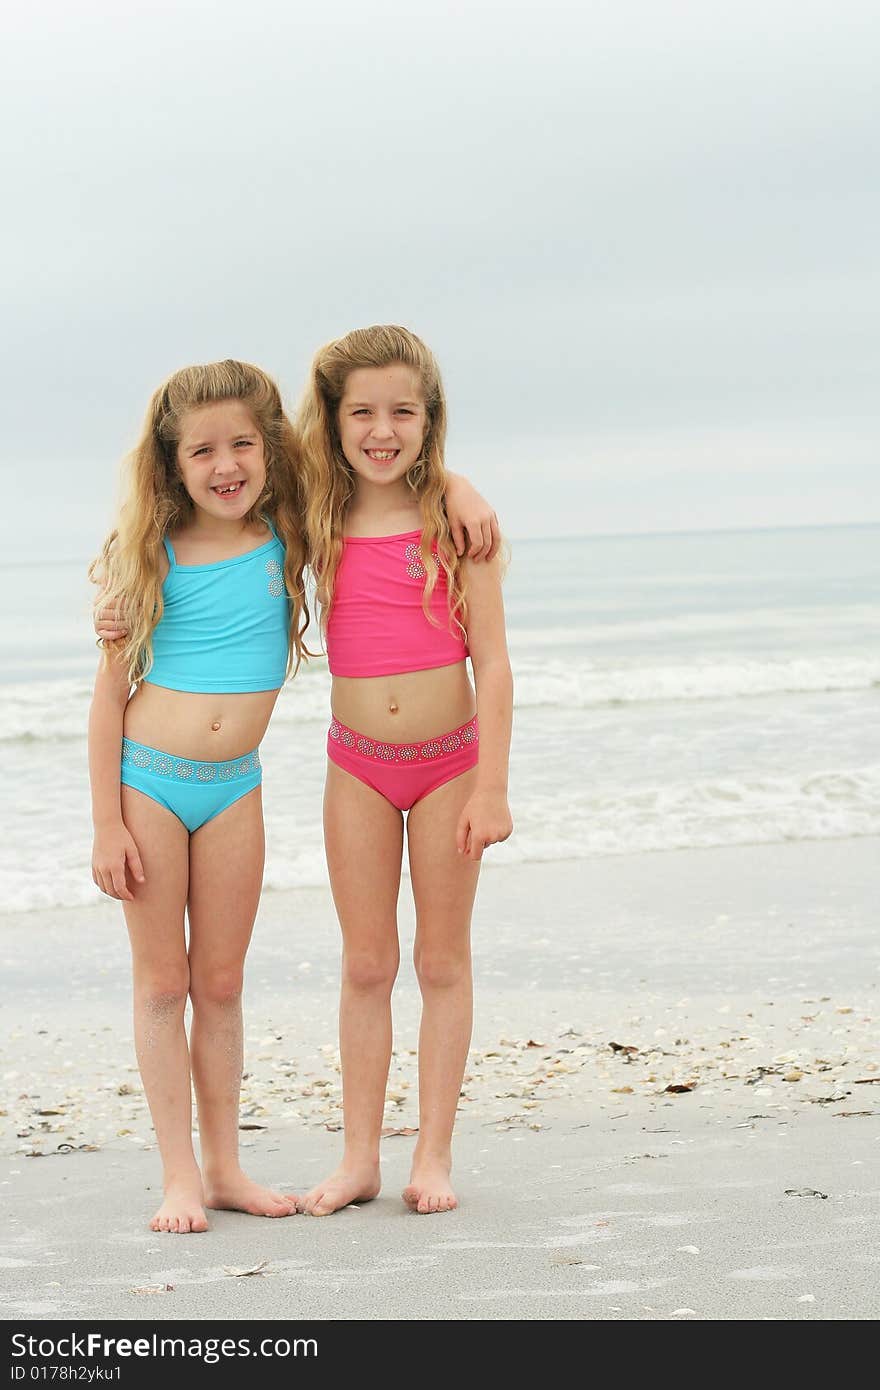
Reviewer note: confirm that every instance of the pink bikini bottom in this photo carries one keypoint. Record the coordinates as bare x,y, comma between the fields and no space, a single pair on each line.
404,773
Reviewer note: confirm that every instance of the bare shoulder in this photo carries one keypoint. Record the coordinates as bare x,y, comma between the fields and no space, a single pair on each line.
484,576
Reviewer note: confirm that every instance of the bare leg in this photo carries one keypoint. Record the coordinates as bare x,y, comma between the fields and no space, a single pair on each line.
444,885
363,836
161,982
226,872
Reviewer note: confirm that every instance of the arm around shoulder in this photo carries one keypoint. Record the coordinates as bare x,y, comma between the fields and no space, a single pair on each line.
468,512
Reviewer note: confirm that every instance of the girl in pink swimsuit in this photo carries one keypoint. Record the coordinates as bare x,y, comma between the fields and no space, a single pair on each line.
401,614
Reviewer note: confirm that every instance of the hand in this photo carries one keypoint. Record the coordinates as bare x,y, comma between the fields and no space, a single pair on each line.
480,539
113,850
470,513
485,820
109,624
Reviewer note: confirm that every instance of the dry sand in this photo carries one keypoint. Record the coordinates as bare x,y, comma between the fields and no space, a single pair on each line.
744,978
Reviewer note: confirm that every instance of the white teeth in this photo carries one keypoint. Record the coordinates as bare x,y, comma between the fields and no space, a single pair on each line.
382,453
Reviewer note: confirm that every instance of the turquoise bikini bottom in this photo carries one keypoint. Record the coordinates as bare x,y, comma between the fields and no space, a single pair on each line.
194,792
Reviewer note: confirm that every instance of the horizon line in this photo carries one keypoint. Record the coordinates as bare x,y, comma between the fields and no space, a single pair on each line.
703,531
589,536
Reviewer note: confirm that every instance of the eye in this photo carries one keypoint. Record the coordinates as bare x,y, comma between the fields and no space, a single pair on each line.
405,410
203,450
361,410
243,443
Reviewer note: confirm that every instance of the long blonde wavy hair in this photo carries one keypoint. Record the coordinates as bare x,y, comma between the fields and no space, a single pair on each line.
156,503
329,476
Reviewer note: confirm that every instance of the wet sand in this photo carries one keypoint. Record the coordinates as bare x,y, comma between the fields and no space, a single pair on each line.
671,1109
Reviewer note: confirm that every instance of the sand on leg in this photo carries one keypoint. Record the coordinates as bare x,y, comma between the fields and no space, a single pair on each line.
363,836
444,886
160,972
225,876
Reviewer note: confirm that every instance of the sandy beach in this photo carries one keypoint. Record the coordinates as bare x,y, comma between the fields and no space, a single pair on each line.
670,1109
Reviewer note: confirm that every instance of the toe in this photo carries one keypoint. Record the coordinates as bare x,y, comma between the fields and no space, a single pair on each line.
282,1209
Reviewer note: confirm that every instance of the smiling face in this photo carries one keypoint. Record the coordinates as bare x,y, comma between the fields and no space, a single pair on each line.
222,461
382,422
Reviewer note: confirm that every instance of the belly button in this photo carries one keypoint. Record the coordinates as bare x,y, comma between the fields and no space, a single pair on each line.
393,707
216,725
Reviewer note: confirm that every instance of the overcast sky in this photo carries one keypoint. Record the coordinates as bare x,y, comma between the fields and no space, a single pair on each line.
642,238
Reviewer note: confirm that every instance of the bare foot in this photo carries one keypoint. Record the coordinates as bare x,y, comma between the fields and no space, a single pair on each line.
182,1212
357,1183
236,1192
429,1187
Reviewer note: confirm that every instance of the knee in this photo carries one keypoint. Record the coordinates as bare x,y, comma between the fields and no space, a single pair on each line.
164,995
371,971
441,968
220,986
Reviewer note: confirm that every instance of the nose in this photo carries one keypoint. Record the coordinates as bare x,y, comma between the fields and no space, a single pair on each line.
382,428
225,462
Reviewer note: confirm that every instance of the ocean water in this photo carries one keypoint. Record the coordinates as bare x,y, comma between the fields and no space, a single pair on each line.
671,691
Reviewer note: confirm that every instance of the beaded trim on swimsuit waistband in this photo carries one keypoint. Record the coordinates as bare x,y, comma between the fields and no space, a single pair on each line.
184,769
428,751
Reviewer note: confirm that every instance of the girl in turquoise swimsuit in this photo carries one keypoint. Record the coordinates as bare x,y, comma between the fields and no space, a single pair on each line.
206,563
215,609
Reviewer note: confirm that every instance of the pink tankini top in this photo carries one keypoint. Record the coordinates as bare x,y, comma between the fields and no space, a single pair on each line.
377,625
